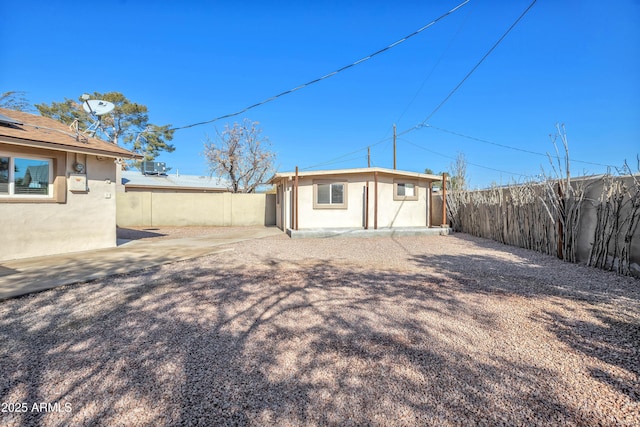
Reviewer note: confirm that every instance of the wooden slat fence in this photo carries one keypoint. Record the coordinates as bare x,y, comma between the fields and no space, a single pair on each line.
591,220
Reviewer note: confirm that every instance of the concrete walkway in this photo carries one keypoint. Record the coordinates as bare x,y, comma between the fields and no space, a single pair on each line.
24,276
360,232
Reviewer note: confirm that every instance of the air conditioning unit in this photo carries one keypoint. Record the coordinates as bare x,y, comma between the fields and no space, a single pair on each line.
154,168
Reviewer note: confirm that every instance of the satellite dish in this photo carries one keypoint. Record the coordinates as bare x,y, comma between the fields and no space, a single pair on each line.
97,107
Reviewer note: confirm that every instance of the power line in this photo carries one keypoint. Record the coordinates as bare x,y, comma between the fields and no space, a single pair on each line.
340,159
475,67
336,161
469,163
510,147
424,123
326,76
434,67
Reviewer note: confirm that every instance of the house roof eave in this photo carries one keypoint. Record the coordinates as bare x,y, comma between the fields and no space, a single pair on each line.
30,130
337,172
124,154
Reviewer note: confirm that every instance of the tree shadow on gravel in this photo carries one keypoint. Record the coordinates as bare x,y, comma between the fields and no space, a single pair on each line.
609,339
613,336
480,273
291,344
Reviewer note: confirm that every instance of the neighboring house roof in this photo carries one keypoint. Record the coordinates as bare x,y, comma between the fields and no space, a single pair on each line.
134,178
42,132
36,175
343,172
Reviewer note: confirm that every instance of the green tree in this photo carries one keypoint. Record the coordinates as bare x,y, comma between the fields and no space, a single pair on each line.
15,100
66,112
437,185
128,122
242,154
153,140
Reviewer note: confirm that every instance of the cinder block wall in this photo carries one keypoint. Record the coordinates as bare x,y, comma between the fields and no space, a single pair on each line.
147,209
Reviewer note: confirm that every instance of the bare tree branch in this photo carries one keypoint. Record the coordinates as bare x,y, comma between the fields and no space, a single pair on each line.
242,154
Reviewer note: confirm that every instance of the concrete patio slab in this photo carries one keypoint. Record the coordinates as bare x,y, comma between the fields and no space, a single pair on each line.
360,232
24,276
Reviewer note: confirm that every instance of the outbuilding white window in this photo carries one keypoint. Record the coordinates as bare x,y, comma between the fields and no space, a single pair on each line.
29,177
405,190
329,195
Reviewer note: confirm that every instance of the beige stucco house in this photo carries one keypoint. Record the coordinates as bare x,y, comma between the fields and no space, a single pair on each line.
57,188
365,198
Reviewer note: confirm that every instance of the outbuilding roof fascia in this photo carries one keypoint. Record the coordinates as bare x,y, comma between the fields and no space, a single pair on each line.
338,172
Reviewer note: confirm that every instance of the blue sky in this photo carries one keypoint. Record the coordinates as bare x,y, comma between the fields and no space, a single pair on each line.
572,62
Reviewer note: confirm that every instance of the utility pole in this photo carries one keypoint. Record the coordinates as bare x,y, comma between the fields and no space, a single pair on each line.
394,146
368,157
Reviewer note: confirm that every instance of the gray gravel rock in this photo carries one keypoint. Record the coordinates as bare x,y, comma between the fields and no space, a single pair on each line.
442,330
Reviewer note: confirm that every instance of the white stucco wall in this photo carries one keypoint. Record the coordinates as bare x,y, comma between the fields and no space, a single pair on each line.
310,217
401,213
85,220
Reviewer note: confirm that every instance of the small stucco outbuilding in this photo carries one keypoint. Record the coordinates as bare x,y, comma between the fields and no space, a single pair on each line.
57,187
364,198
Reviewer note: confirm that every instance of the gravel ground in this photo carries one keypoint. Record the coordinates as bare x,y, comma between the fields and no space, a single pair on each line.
442,330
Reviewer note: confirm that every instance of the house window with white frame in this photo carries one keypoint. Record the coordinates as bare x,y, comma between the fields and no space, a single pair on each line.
405,190
29,177
329,195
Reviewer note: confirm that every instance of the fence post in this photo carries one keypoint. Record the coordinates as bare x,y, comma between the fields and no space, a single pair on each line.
366,206
444,199
295,195
375,200
560,222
